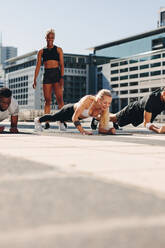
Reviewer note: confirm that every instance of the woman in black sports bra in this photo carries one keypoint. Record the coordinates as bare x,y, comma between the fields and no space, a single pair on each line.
52,58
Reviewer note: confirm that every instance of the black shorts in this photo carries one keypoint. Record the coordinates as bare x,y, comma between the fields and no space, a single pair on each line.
130,115
51,76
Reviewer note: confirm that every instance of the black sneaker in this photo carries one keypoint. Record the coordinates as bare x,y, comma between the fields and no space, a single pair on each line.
94,124
116,126
65,125
47,125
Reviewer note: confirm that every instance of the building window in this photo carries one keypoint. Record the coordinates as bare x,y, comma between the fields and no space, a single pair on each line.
133,91
157,56
134,68
134,76
123,70
124,62
123,92
115,86
123,77
133,83
114,79
155,73
144,67
114,64
114,71
156,64
144,90
145,74
131,61
124,85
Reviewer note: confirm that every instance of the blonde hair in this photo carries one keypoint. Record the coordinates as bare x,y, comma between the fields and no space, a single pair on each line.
104,120
102,93
51,31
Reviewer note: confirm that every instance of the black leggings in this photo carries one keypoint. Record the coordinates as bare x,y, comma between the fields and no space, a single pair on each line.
64,114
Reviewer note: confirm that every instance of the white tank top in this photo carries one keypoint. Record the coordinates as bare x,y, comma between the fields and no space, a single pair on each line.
85,112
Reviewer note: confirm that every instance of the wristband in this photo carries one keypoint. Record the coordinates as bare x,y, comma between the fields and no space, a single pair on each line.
77,123
148,125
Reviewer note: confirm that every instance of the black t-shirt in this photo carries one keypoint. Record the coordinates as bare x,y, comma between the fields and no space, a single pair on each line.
150,103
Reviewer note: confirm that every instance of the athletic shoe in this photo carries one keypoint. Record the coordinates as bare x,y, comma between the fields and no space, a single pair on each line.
62,126
116,126
65,125
94,124
47,125
37,125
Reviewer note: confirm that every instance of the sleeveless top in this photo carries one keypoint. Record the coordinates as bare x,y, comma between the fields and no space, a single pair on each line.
50,54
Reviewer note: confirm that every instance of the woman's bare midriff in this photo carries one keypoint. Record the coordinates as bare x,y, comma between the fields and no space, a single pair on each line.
51,64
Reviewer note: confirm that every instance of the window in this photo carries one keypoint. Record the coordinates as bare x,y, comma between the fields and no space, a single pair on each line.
133,61
115,86
123,77
157,56
144,67
133,91
123,92
124,85
134,68
145,74
156,64
123,70
124,62
134,76
114,71
114,64
144,90
155,73
114,79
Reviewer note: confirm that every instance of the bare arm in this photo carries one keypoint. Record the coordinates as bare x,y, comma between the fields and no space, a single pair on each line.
83,104
61,62
38,65
152,127
14,121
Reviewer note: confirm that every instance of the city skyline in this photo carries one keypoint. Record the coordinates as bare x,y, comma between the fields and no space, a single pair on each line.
78,25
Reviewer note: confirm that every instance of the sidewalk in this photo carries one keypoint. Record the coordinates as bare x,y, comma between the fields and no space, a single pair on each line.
68,190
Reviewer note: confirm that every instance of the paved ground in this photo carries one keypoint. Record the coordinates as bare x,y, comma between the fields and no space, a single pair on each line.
67,190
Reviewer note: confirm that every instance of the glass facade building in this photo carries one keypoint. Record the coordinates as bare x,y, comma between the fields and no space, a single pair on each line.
134,45
136,67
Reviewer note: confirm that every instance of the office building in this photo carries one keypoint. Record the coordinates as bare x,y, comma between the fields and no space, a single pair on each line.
7,52
161,21
136,66
80,72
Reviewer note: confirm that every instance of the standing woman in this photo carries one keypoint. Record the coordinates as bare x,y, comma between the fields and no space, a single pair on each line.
52,58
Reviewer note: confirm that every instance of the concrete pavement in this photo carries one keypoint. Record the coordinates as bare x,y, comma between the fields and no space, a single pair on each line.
68,190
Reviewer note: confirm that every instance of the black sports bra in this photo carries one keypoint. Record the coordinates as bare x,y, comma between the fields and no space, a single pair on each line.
50,54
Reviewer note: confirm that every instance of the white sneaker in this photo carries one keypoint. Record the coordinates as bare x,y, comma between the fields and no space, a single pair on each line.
62,126
37,125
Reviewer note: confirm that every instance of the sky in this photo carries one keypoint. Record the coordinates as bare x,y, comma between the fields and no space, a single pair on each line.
78,24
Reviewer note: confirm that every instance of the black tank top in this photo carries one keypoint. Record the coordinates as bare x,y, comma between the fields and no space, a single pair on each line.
50,54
